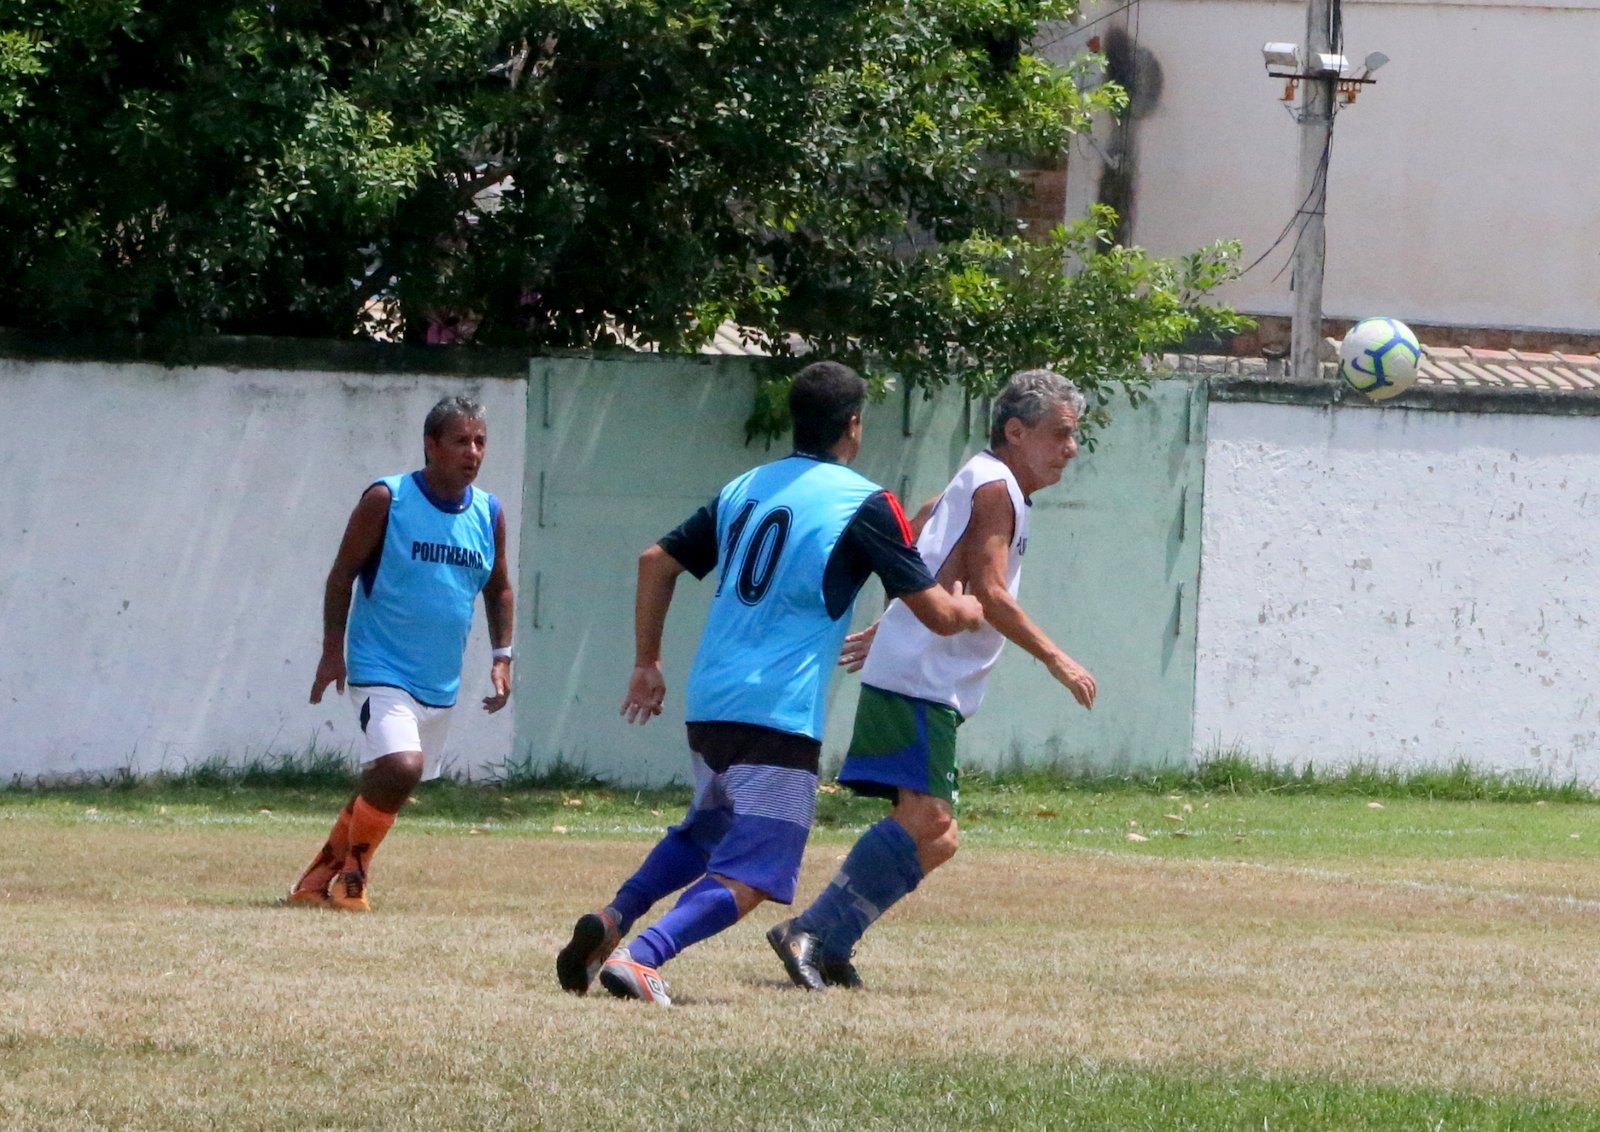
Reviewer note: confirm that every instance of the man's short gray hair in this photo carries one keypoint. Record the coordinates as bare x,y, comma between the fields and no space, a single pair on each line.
447,412
1028,396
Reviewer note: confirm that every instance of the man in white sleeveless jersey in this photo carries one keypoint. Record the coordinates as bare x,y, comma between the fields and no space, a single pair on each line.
917,688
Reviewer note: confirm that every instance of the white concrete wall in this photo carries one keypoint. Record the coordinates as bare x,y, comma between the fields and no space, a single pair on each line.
1387,584
164,538
1401,586
1459,186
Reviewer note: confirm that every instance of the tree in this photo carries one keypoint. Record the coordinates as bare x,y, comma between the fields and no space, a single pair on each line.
566,173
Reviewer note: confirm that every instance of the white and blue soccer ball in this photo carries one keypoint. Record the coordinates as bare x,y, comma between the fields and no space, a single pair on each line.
1379,357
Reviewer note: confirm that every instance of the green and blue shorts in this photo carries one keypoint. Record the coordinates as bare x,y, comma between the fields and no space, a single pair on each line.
902,743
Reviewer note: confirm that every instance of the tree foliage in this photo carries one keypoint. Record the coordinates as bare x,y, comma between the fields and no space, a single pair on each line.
563,173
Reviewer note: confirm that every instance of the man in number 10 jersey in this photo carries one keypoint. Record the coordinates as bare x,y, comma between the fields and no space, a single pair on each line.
792,542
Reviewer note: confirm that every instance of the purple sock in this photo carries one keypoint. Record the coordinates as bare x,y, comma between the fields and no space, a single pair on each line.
879,871
702,912
674,862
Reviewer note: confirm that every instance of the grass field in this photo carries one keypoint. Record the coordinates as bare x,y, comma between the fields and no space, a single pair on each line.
1262,959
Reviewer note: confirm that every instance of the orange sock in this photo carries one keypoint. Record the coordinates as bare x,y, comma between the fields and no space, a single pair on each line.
368,824
321,871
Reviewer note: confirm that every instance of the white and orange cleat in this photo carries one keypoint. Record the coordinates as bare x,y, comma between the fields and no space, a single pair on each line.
627,979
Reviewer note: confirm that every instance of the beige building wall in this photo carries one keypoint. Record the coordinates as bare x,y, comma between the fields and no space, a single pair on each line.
1459,189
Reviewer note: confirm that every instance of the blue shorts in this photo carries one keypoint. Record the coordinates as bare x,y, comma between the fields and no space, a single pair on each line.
755,794
902,743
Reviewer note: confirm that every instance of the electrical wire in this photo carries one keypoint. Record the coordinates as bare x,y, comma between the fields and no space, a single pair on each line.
1125,119
1319,184
1319,181
1133,56
1074,29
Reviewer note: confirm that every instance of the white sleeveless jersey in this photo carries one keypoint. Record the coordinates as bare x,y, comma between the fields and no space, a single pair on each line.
908,658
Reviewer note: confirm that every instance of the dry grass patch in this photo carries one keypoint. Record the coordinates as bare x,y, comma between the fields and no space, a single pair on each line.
1250,968
148,981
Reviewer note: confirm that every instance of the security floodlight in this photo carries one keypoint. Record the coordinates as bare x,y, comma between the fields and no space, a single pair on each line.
1328,66
1284,62
1281,55
1362,73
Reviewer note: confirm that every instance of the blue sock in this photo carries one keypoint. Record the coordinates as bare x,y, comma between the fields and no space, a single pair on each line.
881,868
674,862
702,912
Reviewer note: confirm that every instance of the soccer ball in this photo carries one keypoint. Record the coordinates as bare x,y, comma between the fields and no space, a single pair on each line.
1379,357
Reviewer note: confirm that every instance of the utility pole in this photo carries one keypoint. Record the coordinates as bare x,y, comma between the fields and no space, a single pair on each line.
1316,134
1323,74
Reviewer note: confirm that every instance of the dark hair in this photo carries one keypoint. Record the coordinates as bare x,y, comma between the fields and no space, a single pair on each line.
447,412
822,399
1028,396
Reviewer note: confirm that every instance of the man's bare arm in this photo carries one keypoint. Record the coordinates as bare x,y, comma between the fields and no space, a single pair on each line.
499,608
985,550
363,538
920,519
943,611
647,688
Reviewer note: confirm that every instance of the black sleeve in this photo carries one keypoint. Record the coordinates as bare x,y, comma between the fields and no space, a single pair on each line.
694,541
877,541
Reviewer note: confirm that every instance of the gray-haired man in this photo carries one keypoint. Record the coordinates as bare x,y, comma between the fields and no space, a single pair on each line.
918,688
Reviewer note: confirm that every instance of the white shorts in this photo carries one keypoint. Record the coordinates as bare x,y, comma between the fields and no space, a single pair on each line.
392,721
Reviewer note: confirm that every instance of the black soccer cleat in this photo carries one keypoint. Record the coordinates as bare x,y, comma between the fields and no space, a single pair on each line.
841,973
798,950
594,937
